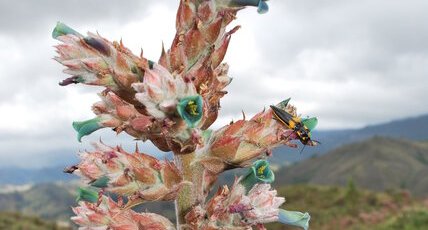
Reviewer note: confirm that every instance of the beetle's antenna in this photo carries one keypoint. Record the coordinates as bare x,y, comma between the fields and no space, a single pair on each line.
301,151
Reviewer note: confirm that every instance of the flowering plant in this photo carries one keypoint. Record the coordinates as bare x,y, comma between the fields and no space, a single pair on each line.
172,103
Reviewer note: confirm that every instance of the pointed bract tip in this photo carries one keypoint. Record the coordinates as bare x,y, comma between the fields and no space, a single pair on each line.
283,104
72,80
70,169
137,150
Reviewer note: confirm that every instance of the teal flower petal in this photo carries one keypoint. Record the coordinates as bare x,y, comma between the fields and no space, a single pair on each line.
87,195
62,29
294,218
190,110
259,172
310,123
262,6
101,182
245,2
87,127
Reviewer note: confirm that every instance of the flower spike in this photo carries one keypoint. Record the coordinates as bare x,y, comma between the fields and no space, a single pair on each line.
173,103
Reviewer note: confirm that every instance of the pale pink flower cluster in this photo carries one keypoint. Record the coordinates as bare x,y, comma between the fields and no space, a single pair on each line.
235,208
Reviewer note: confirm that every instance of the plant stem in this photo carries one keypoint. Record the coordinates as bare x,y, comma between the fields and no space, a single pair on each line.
189,195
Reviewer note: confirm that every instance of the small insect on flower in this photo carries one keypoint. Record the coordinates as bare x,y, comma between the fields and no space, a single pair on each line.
301,127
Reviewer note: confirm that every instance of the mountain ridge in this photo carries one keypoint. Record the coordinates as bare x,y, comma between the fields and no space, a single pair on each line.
413,128
378,163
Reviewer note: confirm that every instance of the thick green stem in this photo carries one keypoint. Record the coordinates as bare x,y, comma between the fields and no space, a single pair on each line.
189,195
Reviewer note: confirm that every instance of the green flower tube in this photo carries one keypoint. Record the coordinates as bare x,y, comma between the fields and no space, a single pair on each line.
62,29
293,218
87,195
101,182
262,6
310,123
87,127
259,172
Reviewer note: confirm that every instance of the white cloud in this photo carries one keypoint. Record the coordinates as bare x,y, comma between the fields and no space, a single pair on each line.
351,63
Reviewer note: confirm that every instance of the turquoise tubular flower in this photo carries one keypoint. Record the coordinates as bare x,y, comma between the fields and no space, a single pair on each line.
310,123
259,172
294,218
101,182
62,29
262,6
87,127
87,195
190,110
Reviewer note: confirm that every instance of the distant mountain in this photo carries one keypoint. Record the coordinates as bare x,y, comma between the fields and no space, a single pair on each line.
378,163
18,176
415,128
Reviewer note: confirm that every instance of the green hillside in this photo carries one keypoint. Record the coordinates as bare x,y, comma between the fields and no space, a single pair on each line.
350,208
48,201
378,164
330,208
15,221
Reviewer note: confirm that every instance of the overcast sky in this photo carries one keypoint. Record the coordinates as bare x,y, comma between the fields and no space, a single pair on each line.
350,63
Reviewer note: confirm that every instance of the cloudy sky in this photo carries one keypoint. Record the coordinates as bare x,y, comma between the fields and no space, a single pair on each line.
350,63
